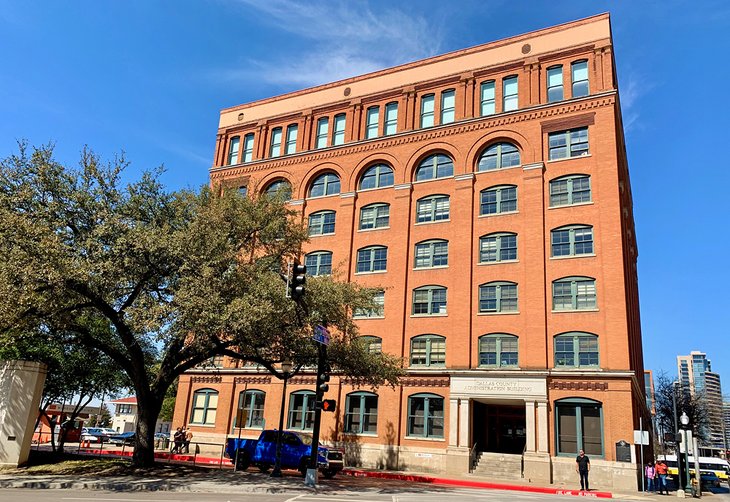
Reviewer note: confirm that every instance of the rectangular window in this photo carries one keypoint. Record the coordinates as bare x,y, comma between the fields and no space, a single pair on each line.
426,416
374,217
291,139
391,119
322,132
361,415
372,260
448,106
432,254
567,191
555,84
487,98
233,150
427,104
275,150
377,311
432,209
567,144
322,223
338,135
579,76
509,94
372,122
248,148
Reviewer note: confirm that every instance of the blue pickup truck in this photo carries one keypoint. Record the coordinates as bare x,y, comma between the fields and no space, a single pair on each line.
296,449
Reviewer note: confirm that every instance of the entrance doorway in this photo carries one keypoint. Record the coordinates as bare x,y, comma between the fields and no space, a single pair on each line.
499,428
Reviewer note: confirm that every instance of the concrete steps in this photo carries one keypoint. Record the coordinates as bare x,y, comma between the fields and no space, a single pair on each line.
498,466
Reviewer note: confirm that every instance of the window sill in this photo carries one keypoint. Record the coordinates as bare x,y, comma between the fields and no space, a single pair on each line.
431,222
587,255
191,424
578,368
323,196
374,188
571,205
498,169
361,434
430,268
370,272
429,315
499,368
372,229
512,312
573,311
492,215
569,158
366,318
419,438
435,179
486,263
321,235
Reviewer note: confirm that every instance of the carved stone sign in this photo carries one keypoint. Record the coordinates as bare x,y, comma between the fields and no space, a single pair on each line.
499,387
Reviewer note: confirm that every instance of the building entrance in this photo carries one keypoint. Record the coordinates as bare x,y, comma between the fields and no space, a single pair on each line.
499,428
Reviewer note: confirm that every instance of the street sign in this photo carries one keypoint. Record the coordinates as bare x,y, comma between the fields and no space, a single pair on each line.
641,437
321,335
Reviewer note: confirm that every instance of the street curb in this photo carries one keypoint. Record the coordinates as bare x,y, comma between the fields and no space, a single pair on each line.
467,483
121,486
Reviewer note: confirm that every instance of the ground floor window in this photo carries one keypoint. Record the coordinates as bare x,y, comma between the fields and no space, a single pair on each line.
579,426
361,415
251,409
426,416
205,404
301,411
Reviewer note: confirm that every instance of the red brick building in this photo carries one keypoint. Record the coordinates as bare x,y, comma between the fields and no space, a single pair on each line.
487,192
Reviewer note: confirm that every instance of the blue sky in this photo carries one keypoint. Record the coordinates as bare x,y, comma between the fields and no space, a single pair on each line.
149,78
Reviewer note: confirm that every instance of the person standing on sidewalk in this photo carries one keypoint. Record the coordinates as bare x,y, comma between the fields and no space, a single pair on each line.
582,467
188,438
649,474
661,473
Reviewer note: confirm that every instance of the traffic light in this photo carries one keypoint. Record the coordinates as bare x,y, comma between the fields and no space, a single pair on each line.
329,405
323,385
298,279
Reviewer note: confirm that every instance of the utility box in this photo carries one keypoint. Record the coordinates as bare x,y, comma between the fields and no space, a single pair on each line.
21,388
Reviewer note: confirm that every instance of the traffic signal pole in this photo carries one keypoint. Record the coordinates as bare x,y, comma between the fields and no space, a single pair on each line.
311,477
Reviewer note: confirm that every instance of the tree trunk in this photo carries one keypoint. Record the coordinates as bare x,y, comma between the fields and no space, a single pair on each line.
148,409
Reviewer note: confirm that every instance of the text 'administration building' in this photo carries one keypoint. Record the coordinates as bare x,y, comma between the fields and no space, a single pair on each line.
487,192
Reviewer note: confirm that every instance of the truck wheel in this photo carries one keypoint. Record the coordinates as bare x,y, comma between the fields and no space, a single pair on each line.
303,466
329,473
242,461
264,468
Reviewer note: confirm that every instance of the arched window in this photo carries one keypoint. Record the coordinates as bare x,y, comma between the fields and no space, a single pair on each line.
375,216
579,426
251,406
495,297
319,263
574,293
377,176
372,259
569,190
233,150
574,240
301,410
499,199
205,404
279,189
555,83
435,166
498,350
498,247
374,344
361,413
432,253
576,350
425,416
428,350
325,184
499,156
429,300
432,208
579,76
321,223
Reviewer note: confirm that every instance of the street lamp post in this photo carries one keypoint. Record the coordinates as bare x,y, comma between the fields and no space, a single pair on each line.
685,421
286,371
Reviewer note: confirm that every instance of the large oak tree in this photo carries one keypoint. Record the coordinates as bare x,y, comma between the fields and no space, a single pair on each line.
173,278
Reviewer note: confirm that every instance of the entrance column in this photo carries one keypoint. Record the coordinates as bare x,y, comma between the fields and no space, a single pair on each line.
453,422
464,422
530,426
542,424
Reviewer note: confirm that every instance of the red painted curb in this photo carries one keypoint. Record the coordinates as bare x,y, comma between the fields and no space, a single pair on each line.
467,483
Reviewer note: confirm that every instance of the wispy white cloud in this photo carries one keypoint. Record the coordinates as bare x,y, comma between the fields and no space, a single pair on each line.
337,41
632,89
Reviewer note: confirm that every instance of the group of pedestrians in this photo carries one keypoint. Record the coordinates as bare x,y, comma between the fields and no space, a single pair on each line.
655,474
181,440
